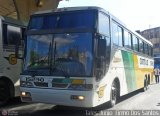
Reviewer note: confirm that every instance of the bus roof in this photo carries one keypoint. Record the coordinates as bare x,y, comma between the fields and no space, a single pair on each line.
71,9
93,8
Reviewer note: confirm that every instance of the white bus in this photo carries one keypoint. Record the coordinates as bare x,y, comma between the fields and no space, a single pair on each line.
11,32
84,57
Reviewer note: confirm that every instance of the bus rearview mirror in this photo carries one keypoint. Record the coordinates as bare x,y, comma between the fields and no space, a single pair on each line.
17,50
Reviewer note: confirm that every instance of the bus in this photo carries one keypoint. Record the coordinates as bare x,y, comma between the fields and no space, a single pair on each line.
11,42
157,62
83,57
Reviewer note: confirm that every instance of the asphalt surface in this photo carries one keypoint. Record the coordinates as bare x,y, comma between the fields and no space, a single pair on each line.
138,100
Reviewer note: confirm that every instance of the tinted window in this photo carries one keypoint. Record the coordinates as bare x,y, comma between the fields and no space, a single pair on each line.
103,24
117,35
5,33
150,51
135,43
73,53
146,49
127,39
79,19
140,46
120,31
11,35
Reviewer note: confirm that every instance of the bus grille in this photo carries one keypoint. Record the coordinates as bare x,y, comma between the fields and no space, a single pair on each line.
59,85
40,84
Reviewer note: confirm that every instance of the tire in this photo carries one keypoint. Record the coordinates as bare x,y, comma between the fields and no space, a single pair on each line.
149,80
4,93
113,95
145,88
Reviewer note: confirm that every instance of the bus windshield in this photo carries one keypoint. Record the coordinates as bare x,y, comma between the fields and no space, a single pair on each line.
63,20
69,53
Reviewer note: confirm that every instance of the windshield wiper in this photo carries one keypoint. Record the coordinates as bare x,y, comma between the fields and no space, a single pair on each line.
54,57
55,64
51,55
65,74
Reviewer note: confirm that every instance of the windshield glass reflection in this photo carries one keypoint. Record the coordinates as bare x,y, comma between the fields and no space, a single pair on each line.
68,54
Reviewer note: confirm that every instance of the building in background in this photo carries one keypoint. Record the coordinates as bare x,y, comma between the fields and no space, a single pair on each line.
153,35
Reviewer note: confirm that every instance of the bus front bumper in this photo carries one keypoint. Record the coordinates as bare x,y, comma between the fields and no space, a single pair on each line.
58,97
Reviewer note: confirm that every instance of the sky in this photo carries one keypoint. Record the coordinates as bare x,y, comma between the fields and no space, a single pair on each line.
136,14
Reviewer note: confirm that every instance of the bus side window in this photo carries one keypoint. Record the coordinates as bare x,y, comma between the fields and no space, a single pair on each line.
127,39
135,43
117,35
11,35
104,31
5,34
103,24
140,46
150,51
145,48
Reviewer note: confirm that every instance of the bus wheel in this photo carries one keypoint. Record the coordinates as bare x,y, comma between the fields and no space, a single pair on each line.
113,95
4,93
145,85
149,80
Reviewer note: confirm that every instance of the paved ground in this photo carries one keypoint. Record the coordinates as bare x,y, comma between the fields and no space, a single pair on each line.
149,100
141,100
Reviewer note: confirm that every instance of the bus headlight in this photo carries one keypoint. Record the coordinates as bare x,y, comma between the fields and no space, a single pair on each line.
77,97
26,96
26,84
23,93
82,87
81,97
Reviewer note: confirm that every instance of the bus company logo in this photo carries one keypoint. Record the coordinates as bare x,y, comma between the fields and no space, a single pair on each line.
4,112
11,59
101,91
143,62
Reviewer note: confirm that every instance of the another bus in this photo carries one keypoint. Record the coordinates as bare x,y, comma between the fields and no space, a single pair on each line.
84,57
157,61
11,42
